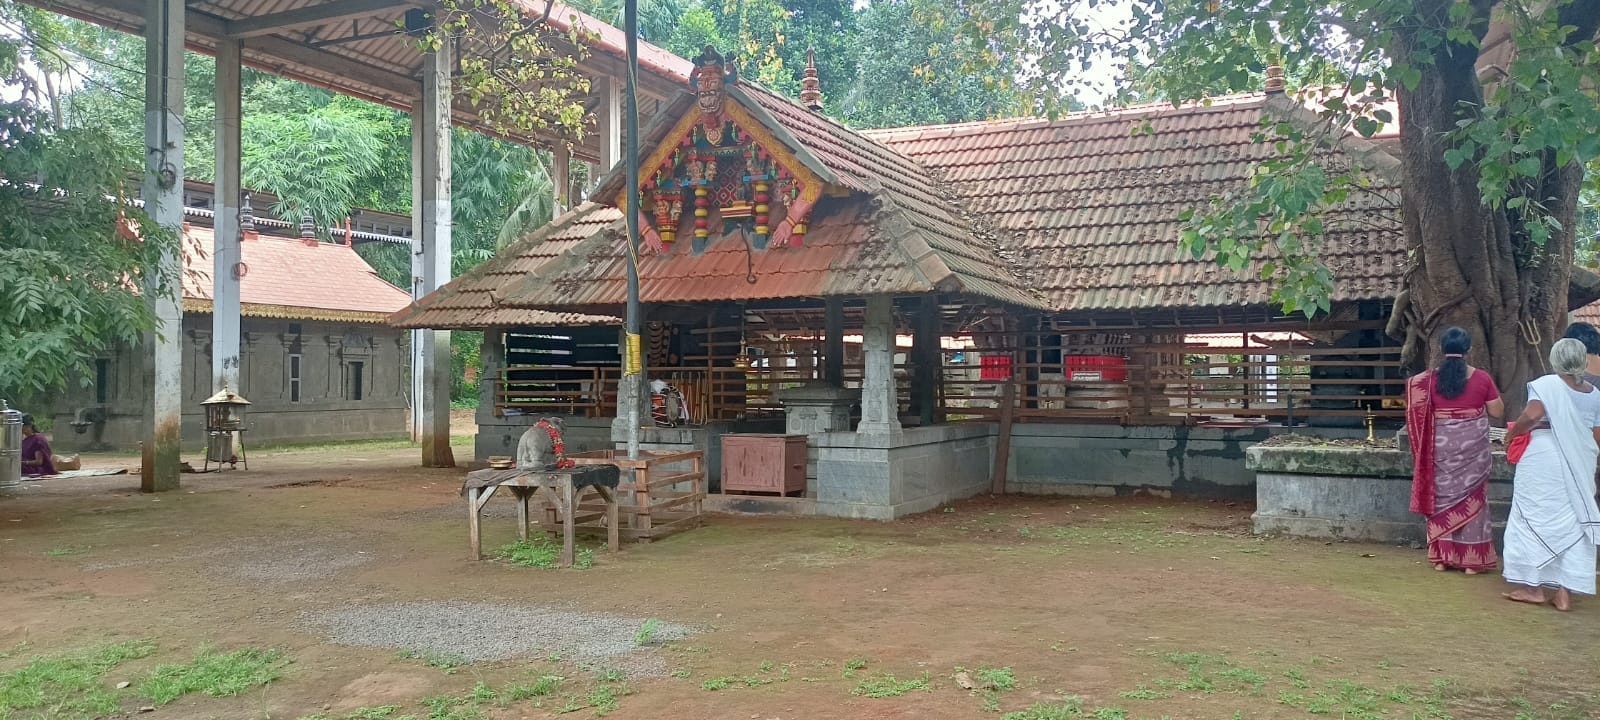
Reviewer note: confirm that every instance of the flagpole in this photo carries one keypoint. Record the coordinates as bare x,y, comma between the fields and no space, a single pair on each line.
633,355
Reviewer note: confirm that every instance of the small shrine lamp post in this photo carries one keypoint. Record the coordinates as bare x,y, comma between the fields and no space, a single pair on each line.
633,354
225,424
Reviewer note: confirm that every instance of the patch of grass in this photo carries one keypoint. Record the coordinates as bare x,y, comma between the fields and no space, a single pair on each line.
542,552
217,675
377,712
451,707
1068,709
447,662
680,674
610,675
995,678
545,685
720,683
887,686
65,551
603,698
67,685
852,665
1145,693
647,632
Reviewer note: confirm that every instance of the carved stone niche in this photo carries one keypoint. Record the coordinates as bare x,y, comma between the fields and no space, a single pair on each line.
355,346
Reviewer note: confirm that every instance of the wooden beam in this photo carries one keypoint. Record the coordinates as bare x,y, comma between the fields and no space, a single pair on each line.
307,16
274,55
1002,445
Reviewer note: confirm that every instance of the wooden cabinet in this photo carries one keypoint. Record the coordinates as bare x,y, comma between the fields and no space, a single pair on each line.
764,463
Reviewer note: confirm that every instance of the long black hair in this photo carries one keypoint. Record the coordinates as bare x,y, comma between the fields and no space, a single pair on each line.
1451,378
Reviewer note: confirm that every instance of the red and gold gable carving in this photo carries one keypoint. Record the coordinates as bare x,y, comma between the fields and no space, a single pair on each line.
719,168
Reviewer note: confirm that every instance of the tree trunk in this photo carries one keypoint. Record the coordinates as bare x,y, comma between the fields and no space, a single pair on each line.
1474,266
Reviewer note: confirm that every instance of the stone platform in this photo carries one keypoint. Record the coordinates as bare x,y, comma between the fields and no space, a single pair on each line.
1344,493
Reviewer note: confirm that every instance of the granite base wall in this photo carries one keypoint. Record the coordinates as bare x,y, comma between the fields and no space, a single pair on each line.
1347,493
1110,460
883,477
266,427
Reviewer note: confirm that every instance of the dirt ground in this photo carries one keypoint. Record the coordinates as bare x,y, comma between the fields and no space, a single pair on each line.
1141,608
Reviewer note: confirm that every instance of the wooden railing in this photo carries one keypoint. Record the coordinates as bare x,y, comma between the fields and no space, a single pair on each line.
721,393
1154,383
1207,384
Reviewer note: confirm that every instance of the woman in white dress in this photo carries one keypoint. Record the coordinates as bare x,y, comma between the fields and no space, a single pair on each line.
1555,525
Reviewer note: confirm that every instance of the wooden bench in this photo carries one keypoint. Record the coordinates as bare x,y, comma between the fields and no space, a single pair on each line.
563,487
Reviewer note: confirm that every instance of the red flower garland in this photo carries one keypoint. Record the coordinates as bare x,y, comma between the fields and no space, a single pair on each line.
558,446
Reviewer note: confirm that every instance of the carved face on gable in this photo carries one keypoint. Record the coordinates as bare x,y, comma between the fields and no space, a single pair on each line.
710,79
708,85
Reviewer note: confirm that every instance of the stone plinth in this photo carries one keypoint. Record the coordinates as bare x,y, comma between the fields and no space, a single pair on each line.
817,408
1343,493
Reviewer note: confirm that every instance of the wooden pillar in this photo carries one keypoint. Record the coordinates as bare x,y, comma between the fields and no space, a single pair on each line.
561,178
611,120
431,252
226,257
879,406
926,360
163,197
833,343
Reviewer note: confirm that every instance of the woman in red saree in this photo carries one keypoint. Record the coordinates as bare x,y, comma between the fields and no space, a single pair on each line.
1447,417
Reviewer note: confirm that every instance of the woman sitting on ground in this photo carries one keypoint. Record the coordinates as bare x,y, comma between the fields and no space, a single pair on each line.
36,458
1555,524
1447,417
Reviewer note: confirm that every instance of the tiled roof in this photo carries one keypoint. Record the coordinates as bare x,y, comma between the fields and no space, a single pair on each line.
1589,313
895,233
287,278
1091,207
976,264
610,38
1078,214
840,257
473,300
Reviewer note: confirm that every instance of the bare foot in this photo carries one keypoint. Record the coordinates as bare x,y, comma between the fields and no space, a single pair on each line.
1534,596
1563,601
1439,567
1470,571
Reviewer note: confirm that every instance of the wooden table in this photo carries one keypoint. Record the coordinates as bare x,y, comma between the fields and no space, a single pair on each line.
563,486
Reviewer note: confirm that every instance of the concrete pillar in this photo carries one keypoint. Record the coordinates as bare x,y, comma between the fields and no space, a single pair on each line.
431,360
417,222
611,120
833,342
561,178
163,197
636,393
493,356
879,414
226,257
926,361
